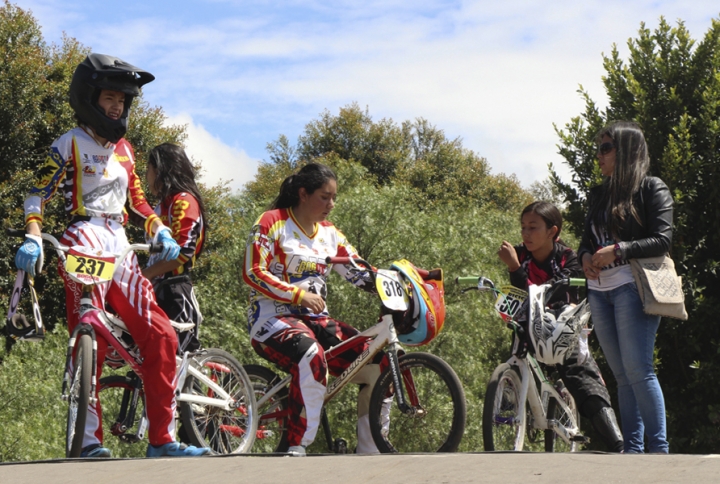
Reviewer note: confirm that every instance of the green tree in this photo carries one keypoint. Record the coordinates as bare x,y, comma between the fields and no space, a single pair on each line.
34,81
670,84
415,153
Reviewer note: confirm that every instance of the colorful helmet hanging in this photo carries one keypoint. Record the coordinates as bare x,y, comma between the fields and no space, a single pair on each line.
425,318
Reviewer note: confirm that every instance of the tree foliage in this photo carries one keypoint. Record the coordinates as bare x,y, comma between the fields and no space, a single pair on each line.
34,81
670,84
414,153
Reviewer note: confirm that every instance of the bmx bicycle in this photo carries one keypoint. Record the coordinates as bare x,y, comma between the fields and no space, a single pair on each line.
214,394
526,406
430,410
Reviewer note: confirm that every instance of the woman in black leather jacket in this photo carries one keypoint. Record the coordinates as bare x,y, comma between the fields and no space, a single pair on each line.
630,216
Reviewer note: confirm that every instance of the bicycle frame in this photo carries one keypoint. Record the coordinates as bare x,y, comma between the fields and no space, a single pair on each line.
530,370
381,335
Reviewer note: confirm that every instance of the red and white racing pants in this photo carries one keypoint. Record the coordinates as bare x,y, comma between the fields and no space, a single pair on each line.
297,345
132,297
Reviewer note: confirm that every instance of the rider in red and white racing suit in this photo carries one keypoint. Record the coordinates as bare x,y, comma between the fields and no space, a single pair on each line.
283,262
94,168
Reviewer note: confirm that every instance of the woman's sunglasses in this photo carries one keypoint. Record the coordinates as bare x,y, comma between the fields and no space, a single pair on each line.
605,148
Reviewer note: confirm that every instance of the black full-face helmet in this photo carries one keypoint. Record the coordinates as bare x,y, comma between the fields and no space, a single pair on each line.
98,72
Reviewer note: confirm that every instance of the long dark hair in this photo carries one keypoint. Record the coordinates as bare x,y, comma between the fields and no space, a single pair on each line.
310,177
549,213
632,163
175,174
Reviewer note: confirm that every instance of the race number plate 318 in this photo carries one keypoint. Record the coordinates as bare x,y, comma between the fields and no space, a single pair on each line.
391,290
89,266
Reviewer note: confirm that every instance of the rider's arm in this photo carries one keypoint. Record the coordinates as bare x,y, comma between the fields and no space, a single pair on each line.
136,197
361,279
519,277
47,181
259,254
185,222
161,267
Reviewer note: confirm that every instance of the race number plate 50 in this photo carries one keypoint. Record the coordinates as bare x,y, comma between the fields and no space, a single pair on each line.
88,266
391,290
509,301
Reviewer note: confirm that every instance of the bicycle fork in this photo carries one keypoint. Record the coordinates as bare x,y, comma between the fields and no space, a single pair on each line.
402,402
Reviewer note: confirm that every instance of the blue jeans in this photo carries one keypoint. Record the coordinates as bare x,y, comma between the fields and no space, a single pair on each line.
627,337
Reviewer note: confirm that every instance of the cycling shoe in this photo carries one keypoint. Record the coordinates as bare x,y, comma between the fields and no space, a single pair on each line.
296,451
175,449
95,450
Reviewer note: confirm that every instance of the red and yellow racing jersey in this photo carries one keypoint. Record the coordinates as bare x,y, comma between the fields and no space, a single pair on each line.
282,261
95,180
181,212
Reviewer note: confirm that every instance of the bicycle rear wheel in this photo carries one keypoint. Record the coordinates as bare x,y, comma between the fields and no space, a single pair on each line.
79,396
436,396
553,442
208,425
123,406
273,414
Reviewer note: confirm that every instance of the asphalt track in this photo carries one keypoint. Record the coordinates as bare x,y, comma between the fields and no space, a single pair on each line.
509,468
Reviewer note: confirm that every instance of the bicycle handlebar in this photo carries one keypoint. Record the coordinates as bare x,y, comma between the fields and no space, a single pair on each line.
357,263
152,247
573,281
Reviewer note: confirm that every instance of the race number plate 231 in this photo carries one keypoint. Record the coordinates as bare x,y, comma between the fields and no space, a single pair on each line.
88,266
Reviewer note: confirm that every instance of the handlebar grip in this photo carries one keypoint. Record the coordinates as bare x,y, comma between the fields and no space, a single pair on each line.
337,260
156,247
467,280
577,281
15,232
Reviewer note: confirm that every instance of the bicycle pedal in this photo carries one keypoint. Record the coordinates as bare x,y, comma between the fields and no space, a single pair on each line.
34,337
340,446
129,438
580,438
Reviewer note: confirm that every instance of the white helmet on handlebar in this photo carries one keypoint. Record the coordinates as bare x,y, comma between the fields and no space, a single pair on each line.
554,336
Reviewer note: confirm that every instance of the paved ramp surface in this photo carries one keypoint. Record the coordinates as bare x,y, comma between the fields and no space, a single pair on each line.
508,468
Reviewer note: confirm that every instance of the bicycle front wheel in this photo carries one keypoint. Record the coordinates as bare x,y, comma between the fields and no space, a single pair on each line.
553,442
503,425
436,421
79,396
273,414
209,424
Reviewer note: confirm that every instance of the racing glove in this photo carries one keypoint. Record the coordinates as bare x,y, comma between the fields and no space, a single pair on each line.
29,254
171,249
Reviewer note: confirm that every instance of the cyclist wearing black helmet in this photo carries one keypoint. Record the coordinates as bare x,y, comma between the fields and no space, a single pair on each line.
94,166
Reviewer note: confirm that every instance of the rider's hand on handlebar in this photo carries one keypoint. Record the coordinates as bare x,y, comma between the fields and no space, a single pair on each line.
171,249
28,254
313,302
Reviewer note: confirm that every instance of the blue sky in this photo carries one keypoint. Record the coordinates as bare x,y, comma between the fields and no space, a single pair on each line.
240,73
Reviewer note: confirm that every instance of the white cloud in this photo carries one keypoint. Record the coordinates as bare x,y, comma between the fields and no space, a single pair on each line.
219,162
496,74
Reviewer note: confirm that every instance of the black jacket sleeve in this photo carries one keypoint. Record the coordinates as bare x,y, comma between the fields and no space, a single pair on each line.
654,237
649,237
519,277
